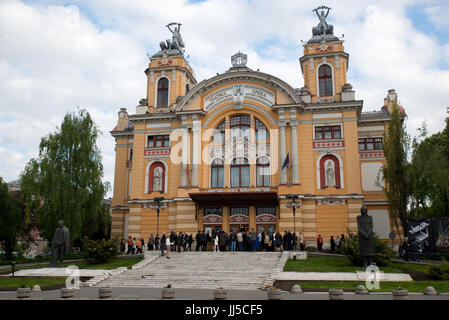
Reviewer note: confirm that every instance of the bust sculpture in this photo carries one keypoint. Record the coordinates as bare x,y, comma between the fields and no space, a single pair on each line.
60,245
366,237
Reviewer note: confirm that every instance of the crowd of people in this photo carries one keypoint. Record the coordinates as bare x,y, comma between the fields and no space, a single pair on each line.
237,240
409,249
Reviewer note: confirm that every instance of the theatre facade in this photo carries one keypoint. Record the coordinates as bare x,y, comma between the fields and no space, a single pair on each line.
224,153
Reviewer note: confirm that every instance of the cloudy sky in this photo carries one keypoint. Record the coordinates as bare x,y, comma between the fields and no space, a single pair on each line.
56,55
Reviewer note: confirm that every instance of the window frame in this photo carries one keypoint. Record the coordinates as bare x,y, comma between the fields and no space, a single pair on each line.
330,128
239,125
375,141
328,81
264,176
240,166
216,167
163,138
159,103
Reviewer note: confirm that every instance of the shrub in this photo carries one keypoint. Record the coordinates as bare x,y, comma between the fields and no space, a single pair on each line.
100,251
350,248
439,271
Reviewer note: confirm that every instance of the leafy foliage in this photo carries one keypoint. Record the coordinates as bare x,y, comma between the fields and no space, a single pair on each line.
10,220
350,248
428,174
100,251
394,172
439,271
66,179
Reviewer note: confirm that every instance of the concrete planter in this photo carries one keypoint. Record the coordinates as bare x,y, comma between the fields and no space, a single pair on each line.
168,293
220,294
23,292
296,289
335,294
67,293
36,288
104,292
400,294
274,294
430,291
361,290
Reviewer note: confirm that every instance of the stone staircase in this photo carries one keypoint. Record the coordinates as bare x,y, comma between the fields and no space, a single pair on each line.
205,270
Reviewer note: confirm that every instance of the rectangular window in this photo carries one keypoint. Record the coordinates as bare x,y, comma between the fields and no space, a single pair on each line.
328,132
216,211
368,144
158,141
244,211
266,210
130,156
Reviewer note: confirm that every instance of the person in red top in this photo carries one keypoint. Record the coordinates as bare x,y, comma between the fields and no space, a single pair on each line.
319,243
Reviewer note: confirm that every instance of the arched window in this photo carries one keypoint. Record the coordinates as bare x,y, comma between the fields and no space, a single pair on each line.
261,131
187,88
156,181
263,172
240,127
219,133
325,81
162,93
217,174
240,175
329,172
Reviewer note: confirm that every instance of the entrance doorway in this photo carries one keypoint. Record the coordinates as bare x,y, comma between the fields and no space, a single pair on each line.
266,228
239,227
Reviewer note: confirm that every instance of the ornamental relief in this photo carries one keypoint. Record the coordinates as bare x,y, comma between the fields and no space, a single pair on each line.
237,93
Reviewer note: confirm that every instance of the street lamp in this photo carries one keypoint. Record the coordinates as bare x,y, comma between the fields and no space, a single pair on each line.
158,205
292,204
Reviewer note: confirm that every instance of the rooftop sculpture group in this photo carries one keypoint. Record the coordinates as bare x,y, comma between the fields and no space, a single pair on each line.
323,31
176,45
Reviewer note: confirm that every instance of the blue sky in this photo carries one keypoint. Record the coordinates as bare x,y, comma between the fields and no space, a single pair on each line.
57,55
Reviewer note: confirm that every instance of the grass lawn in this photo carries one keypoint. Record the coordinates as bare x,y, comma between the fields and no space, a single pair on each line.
7,282
413,286
111,264
343,264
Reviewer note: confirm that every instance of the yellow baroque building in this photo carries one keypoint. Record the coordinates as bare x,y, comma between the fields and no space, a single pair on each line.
224,153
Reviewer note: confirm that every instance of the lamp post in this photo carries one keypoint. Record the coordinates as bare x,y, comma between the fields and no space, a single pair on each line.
292,204
158,205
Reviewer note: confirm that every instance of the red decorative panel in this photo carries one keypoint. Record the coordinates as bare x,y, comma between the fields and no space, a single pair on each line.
157,152
370,155
238,218
129,164
212,219
265,218
328,144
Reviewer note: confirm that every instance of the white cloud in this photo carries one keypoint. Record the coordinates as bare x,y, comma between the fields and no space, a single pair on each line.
92,54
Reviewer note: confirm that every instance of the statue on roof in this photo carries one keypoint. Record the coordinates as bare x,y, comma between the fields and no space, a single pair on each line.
323,28
176,43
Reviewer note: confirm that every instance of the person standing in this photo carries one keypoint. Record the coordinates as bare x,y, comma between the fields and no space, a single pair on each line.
233,240
122,246
332,242
203,241
216,241
337,243
138,247
157,242
151,243
253,239
406,248
190,241
169,245
278,239
289,240
198,240
414,249
302,246
295,241
134,246
240,240
179,240
163,245
319,243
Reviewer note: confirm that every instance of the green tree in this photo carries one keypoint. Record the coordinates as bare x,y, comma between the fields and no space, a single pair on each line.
428,174
66,178
394,172
10,220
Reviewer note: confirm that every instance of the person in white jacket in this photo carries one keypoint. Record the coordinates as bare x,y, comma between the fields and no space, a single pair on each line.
168,243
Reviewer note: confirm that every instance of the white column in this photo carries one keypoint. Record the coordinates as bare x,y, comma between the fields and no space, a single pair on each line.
185,150
282,153
295,169
195,156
